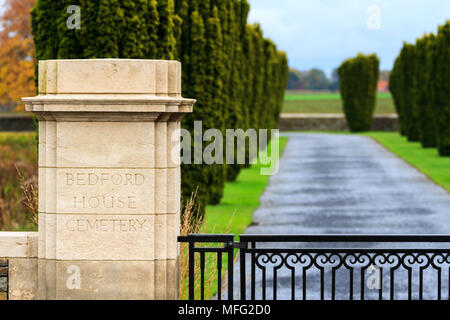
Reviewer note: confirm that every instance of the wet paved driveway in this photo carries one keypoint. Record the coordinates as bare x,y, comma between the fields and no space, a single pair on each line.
344,184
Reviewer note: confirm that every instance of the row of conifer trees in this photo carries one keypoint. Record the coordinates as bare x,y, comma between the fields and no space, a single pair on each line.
237,76
420,85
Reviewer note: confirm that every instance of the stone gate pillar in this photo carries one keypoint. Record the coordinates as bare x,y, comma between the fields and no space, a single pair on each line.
109,187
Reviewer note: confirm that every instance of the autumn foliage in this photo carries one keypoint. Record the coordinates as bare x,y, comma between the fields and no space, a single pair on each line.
16,52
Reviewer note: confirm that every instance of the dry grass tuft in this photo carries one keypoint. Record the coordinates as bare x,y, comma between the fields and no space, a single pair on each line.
29,199
192,222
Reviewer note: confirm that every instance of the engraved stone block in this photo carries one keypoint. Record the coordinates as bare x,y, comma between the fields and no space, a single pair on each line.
109,178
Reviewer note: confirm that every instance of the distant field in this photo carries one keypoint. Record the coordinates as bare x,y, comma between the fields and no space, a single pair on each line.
328,102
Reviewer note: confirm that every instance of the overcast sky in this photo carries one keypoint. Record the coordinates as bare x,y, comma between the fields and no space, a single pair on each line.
322,33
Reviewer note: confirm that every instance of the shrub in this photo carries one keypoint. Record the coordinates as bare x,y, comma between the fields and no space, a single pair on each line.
359,80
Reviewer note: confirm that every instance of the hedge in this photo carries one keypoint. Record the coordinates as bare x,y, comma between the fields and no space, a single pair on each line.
358,85
420,85
237,76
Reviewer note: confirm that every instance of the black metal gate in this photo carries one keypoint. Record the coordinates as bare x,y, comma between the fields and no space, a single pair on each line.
323,267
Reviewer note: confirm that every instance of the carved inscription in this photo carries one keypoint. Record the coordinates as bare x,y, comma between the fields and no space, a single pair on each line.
106,225
96,179
104,201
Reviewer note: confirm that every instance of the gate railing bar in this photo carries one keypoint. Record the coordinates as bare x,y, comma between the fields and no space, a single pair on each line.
348,250
207,237
228,241
344,238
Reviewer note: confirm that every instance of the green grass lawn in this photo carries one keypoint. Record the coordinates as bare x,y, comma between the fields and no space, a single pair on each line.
329,103
427,161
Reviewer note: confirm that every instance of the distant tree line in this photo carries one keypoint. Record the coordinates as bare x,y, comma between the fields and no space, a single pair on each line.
316,79
236,74
420,85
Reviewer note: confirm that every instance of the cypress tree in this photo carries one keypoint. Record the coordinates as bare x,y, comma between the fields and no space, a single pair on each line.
193,176
237,112
423,97
134,36
110,20
184,10
69,46
89,35
152,19
280,84
440,83
358,85
250,66
283,80
182,19
395,88
258,81
166,29
44,28
408,83
213,117
269,96
247,76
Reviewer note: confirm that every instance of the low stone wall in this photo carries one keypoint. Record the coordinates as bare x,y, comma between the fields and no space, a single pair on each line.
331,122
294,121
17,123
18,265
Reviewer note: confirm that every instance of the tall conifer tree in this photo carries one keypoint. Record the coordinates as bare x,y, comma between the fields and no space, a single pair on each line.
166,29
135,34
152,20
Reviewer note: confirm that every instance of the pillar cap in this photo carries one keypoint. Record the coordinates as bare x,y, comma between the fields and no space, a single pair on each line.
117,76
109,85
